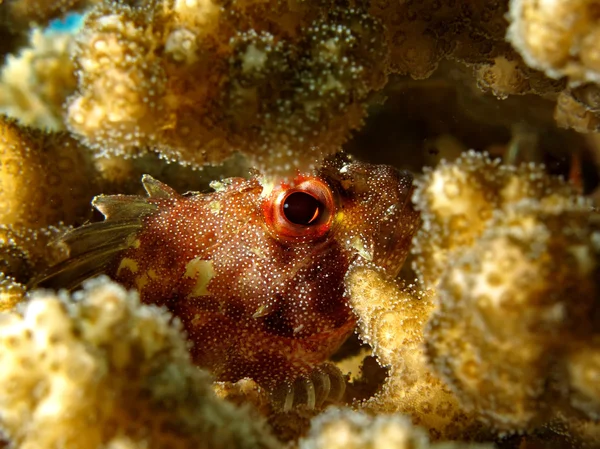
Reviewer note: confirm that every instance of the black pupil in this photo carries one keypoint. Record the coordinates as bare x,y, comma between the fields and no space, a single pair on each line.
302,208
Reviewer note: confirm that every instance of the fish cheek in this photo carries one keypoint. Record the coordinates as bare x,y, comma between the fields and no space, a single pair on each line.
151,273
315,302
155,263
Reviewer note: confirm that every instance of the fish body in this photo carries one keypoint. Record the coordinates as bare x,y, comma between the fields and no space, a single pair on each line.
254,270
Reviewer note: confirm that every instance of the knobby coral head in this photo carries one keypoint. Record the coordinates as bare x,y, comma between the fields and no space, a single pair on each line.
255,270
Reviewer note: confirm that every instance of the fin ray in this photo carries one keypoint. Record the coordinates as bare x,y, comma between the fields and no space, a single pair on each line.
93,246
157,189
118,207
94,235
71,272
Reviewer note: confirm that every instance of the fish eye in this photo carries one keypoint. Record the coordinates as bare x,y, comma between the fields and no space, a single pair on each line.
303,211
302,208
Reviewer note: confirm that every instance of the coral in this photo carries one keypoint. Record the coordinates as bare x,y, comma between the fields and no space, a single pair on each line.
508,339
420,33
106,371
45,178
283,100
579,109
11,293
35,84
517,308
392,320
514,255
457,201
500,343
583,370
285,92
348,429
559,37
509,75
26,252
45,181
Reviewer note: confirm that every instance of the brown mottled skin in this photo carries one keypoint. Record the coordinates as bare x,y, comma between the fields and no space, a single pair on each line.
255,302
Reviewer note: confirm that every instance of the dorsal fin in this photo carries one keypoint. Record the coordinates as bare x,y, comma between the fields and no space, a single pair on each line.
123,207
157,189
93,246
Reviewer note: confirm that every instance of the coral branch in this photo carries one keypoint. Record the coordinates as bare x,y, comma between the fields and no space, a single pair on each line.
515,257
347,429
101,370
200,83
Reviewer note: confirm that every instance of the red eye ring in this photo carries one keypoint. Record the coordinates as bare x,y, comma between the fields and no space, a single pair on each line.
304,211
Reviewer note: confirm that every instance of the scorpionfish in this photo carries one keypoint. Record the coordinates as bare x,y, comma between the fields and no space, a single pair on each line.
254,270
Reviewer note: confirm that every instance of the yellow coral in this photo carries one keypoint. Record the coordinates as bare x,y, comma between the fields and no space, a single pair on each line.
45,178
101,370
511,310
579,109
157,77
35,84
392,321
559,37
514,327
510,331
347,429
511,328
11,293
457,201
583,365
